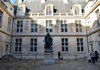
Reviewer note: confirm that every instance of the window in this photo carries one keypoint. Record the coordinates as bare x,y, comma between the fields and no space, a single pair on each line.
33,45
98,23
78,26
18,45
1,15
48,10
7,46
64,44
5,0
97,11
22,0
9,25
49,25
80,44
63,26
19,26
10,8
33,26
76,10
21,11
99,43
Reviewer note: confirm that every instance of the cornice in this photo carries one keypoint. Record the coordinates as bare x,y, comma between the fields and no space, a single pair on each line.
94,7
51,35
93,32
4,32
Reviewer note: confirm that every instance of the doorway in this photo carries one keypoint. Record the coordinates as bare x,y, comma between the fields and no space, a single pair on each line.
91,45
7,49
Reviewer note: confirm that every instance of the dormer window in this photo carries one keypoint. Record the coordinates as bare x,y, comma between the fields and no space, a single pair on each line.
21,10
76,11
49,10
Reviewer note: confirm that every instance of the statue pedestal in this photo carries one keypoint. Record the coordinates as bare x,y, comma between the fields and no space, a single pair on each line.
49,49
48,58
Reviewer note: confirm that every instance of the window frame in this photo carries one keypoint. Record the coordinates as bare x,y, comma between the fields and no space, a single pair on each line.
77,10
9,25
78,25
49,26
64,43
48,11
34,27
64,26
33,45
18,45
19,26
80,45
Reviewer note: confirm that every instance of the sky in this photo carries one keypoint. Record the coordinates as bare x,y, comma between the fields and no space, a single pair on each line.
12,1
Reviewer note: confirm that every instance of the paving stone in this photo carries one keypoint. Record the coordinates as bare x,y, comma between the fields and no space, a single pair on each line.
48,61
58,65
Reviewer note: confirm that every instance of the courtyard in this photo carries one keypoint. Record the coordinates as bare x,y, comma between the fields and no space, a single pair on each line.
79,64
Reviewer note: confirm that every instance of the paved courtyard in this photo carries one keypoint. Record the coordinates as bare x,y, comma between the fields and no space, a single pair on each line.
58,65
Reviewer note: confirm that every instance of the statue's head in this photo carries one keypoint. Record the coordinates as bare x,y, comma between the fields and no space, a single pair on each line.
48,34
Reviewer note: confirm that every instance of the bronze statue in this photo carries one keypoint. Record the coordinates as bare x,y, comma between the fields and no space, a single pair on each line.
48,41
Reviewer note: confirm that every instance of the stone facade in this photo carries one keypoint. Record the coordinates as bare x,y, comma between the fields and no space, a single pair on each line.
6,18
74,30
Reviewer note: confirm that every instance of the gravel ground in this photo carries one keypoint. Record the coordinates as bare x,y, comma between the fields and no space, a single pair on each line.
79,64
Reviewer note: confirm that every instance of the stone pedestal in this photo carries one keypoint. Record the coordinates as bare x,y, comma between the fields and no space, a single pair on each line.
48,58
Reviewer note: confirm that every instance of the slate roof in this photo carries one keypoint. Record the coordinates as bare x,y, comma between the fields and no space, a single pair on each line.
36,6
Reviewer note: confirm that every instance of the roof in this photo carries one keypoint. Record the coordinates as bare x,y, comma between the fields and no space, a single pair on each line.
36,6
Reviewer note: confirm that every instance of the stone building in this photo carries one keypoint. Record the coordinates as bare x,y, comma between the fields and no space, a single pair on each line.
73,25
6,18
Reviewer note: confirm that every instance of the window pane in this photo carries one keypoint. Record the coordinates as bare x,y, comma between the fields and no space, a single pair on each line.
35,44
77,40
65,25
31,49
61,25
19,26
66,40
35,49
31,44
16,49
20,49
20,44
81,40
62,48
35,40
65,29
77,30
62,30
62,44
66,44
78,48
82,49
62,40
66,48
49,25
16,40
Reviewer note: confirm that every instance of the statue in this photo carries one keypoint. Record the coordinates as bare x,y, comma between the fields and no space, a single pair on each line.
48,41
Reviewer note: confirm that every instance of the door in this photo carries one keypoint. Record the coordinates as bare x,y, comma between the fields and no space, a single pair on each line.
7,49
91,47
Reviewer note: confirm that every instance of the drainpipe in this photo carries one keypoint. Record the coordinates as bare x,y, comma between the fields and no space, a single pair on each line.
11,36
87,38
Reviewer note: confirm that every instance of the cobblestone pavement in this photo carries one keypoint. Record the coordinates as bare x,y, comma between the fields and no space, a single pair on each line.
58,65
